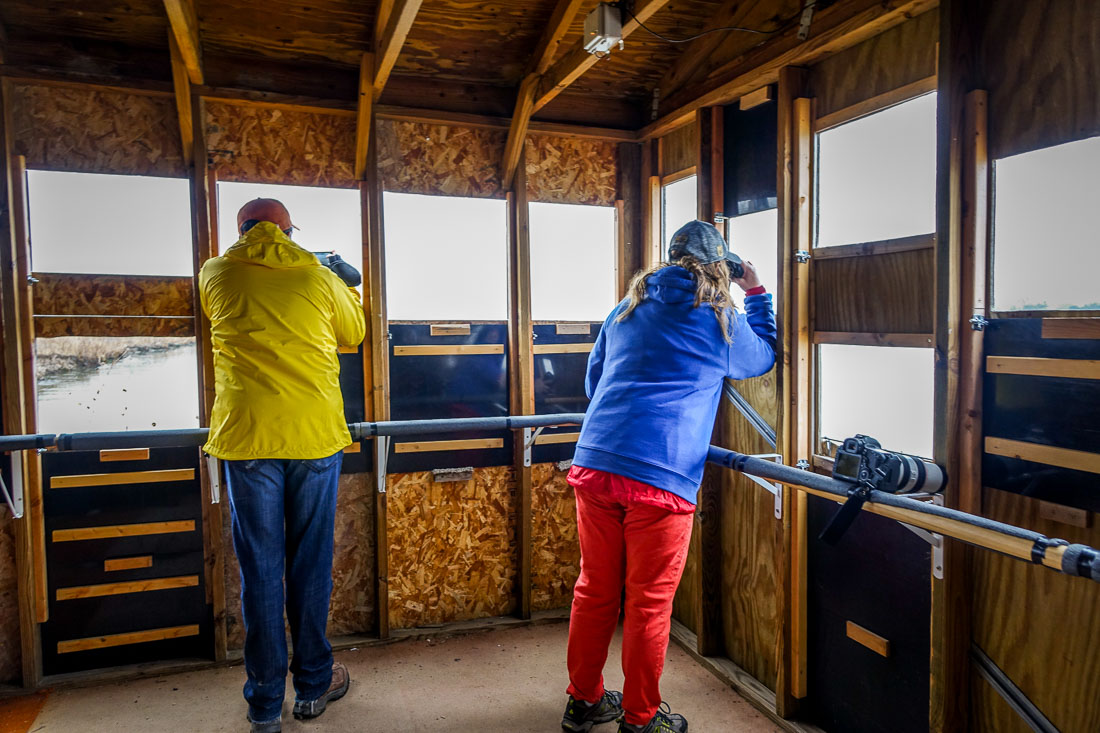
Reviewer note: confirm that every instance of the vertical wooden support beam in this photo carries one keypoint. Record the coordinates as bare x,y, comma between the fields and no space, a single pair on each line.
15,402
717,165
521,370
709,628
792,85
802,387
184,27
651,203
390,35
517,131
364,113
629,186
203,226
182,86
376,357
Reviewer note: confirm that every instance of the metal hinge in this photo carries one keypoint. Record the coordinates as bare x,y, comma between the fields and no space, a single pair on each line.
802,256
979,322
720,218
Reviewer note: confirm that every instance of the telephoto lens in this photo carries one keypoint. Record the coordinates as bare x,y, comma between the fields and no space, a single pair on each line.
344,271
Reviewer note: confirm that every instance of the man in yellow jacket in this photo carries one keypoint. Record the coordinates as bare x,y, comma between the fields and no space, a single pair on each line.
277,317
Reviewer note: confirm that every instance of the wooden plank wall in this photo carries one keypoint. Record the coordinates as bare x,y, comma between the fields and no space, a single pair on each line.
679,149
10,661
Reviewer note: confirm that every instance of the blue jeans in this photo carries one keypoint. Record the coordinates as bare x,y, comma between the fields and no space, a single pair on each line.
284,513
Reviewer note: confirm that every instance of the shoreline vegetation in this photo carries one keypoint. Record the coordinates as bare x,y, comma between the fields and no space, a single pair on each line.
55,357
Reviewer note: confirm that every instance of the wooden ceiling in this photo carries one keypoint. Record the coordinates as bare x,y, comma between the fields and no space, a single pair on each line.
460,55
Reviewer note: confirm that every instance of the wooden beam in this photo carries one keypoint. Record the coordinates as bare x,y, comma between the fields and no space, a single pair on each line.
364,120
629,188
651,203
517,132
182,86
555,30
577,61
835,28
399,19
185,29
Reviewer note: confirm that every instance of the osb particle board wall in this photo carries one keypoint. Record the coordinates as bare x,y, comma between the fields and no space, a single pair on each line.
10,664
88,130
268,144
353,587
555,550
565,170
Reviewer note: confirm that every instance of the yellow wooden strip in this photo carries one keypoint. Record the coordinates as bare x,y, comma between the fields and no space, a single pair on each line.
435,445
563,348
122,530
119,479
124,454
869,639
131,637
1071,328
353,448
128,563
347,349
1063,457
1038,367
450,329
132,586
448,349
557,438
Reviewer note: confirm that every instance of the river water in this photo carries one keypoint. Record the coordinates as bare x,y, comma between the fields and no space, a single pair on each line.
145,390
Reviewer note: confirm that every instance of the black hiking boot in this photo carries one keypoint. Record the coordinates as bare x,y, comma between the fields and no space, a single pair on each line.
663,721
580,716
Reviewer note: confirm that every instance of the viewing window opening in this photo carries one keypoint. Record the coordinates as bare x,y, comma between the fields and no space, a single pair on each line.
679,205
90,223
1045,252
446,258
876,175
327,219
881,391
573,256
754,237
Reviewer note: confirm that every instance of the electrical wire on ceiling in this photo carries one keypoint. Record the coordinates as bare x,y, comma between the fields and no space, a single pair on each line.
625,6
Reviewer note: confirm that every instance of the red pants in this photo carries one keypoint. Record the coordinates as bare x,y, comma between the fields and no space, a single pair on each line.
640,547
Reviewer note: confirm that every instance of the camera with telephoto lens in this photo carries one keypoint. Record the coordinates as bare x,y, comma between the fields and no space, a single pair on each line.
343,270
861,460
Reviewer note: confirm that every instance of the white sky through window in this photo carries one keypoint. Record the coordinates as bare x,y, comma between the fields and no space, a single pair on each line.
1046,250
446,258
90,223
877,175
754,237
572,261
679,205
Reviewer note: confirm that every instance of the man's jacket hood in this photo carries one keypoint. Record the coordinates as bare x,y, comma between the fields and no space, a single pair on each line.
265,245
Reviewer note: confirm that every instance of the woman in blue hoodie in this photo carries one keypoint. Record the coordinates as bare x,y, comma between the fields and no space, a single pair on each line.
654,379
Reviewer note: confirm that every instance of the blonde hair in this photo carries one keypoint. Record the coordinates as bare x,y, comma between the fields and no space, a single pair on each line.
712,286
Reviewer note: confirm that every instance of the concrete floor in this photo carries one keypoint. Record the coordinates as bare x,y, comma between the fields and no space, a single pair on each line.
506,681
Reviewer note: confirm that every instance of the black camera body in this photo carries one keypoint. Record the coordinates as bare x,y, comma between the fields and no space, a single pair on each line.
343,270
861,460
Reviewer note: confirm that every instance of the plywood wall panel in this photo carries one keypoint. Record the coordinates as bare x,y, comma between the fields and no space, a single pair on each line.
555,550
418,157
10,662
352,608
1027,618
904,54
89,130
1039,62
123,326
112,295
886,293
679,149
452,553
569,170
269,144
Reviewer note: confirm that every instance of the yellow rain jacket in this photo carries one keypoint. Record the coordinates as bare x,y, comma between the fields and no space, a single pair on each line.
277,317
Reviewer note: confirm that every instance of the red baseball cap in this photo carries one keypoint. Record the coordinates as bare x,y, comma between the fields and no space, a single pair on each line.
271,210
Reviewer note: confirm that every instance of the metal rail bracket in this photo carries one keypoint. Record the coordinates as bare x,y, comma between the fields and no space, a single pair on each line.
214,469
933,538
530,435
776,488
14,498
381,457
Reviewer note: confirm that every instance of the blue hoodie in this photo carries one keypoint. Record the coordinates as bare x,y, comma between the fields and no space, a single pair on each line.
655,380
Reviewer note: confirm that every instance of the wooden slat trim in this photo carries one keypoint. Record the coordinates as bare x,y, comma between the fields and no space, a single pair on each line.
877,103
123,454
885,246
120,479
1039,367
582,348
121,530
545,439
429,446
879,645
1046,454
1071,328
353,448
130,586
448,349
450,329
911,340
679,175
130,637
127,563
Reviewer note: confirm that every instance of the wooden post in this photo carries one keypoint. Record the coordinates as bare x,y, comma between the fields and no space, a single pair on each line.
792,84
16,401
376,357
651,203
521,370
630,251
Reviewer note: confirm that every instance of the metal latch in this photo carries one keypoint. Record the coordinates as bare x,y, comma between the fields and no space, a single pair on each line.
979,322
802,256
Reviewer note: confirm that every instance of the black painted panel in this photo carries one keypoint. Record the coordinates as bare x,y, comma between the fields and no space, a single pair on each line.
352,388
1023,337
877,576
559,385
749,173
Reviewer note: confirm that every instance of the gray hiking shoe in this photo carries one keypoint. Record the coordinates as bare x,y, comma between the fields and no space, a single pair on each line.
306,709
663,721
271,726
580,716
